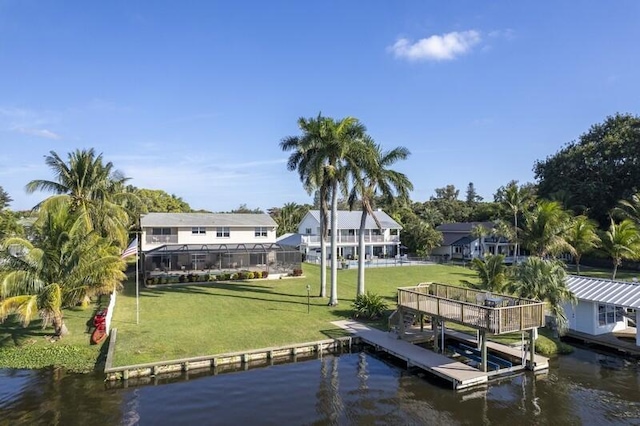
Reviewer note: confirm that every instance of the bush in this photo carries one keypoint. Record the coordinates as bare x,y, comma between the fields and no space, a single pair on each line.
182,279
212,278
149,281
265,274
296,273
164,280
547,346
250,275
241,276
369,306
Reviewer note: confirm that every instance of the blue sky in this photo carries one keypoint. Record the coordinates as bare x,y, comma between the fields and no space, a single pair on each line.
194,97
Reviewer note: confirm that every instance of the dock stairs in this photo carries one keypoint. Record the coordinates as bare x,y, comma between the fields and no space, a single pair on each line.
408,318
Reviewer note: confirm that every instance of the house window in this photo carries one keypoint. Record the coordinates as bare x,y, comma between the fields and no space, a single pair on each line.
198,230
609,314
261,231
307,231
223,232
161,231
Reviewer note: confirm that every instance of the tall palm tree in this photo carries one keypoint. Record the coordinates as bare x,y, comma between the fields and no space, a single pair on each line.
373,178
545,229
582,237
65,263
544,280
621,241
93,189
323,157
492,272
479,232
516,199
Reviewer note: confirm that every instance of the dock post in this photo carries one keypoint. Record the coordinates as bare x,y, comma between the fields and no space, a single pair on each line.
421,323
434,327
532,350
483,350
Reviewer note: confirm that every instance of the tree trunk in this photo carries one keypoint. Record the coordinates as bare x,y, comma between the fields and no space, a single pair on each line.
361,253
578,265
333,301
59,327
515,231
323,253
615,269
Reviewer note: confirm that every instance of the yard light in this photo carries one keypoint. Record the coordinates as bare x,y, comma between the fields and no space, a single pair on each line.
308,298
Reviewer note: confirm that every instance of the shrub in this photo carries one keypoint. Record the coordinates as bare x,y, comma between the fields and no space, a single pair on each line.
149,281
297,272
212,277
164,280
547,346
264,274
369,306
182,279
156,280
250,275
241,275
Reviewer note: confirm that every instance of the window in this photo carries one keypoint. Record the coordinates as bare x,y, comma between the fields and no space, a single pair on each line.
198,230
307,231
161,231
609,314
223,232
261,231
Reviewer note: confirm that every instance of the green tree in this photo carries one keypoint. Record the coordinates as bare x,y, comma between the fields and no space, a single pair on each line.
621,242
492,272
158,201
93,189
544,280
472,196
545,229
515,199
420,237
288,217
582,237
372,178
479,232
65,263
598,169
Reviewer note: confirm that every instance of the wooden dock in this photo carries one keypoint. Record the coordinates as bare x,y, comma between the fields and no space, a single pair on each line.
460,375
610,340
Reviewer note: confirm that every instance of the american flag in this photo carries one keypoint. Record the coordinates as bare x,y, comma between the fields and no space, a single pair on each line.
131,250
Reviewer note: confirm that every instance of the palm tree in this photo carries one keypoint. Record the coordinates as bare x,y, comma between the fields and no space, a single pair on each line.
65,263
374,178
516,199
545,229
288,217
621,241
323,157
93,189
479,232
544,280
582,237
492,272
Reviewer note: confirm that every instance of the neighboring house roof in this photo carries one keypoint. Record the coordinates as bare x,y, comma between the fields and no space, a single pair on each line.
618,293
206,219
351,220
289,239
463,227
464,241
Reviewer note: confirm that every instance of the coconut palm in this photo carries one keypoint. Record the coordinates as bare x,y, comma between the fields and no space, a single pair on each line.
582,237
479,232
545,229
515,199
630,209
93,189
492,272
621,241
374,178
324,156
545,280
65,263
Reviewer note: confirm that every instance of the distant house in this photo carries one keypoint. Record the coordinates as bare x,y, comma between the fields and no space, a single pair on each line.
603,307
459,243
383,242
210,241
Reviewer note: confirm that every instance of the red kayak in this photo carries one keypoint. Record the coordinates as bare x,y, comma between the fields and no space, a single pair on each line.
99,334
100,317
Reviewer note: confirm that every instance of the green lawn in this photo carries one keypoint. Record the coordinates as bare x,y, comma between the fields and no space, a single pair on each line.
32,347
192,320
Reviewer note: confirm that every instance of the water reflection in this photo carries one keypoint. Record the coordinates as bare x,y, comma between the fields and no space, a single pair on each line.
361,388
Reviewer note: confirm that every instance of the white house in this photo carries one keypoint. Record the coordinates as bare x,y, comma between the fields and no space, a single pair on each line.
604,306
209,241
459,243
383,242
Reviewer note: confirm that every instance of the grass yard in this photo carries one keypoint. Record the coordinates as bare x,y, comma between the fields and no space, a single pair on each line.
32,347
192,320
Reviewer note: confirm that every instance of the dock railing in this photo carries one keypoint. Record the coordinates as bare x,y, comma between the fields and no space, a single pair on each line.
495,313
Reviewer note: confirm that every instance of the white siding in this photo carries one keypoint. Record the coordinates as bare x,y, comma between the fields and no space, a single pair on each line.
243,235
309,222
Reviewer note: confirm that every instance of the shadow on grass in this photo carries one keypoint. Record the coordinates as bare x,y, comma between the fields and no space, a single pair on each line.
334,333
12,333
101,359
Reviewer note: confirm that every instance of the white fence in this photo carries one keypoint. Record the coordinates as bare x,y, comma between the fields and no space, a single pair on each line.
110,309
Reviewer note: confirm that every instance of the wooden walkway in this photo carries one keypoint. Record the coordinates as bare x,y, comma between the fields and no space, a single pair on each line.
609,340
460,375
540,362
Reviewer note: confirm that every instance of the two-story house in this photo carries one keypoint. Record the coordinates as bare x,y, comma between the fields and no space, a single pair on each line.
383,242
175,242
459,241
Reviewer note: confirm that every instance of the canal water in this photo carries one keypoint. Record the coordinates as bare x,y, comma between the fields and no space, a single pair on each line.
349,389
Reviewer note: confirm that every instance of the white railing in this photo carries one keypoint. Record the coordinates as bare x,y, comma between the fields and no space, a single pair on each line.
352,239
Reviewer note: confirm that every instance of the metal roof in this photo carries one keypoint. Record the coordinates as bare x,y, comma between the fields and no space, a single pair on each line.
464,241
216,248
619,293
351,220
464,227
206,219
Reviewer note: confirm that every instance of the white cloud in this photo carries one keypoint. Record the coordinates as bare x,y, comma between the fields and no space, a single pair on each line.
41,133
443,47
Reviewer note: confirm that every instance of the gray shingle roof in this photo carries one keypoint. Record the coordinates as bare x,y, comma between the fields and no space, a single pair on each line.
351,220
206,219
618,293
465,227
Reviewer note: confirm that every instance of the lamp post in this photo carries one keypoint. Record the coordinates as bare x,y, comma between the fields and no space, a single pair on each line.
308,298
